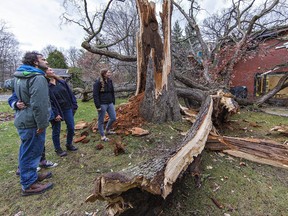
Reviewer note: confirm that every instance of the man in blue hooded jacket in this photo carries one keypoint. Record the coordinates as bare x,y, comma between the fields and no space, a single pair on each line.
31,88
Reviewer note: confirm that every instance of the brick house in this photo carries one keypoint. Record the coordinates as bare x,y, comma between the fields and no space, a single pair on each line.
261,70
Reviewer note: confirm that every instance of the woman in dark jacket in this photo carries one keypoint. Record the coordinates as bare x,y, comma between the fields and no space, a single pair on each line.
64,105
104,100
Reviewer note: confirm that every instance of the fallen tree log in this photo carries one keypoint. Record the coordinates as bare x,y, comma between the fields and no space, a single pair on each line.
155,176
127,88
256,150
86,94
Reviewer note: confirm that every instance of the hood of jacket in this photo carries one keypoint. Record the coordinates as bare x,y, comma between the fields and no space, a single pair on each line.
27,71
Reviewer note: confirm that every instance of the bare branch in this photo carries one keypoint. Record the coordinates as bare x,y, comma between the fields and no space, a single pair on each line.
107,53
101,24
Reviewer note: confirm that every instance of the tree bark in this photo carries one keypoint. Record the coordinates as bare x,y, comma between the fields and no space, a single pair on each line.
154,65
190,83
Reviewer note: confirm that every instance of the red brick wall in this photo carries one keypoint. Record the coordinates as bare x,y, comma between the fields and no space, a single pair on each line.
265,60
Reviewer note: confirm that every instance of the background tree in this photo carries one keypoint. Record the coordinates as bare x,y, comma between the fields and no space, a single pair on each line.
48,49
9,53
90,65
56,59
99,38
178,45
225,38
114,30
72,56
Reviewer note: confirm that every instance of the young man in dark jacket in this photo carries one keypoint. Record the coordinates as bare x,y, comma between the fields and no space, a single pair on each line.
104,100
31,88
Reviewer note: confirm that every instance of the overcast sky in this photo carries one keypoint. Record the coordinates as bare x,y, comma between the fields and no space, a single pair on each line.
36,23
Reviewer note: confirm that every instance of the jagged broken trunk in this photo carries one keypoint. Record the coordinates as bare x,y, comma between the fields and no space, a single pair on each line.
160,102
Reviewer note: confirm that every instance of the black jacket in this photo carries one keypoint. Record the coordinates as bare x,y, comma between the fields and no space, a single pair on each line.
55,99
103,94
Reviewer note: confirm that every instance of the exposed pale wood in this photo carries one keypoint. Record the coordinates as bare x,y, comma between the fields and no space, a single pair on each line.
257,150
166,26
281,128
81,125
256,159
154,75
136,131
224,107
194,144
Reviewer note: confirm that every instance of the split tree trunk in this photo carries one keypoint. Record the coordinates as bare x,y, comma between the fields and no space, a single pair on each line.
160,103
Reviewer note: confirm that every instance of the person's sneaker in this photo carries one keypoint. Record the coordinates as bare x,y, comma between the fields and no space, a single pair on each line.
60,152
43,176
110,132
71,148
37,188
104,139
47,164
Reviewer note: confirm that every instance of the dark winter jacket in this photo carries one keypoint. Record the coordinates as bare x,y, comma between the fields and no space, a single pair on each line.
103,94
60,101
30,86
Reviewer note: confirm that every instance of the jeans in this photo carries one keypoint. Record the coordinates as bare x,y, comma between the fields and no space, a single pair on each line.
43,155
56,129
109,108
30,151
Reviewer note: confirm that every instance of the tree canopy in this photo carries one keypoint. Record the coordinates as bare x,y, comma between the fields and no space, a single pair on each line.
56,59
9,52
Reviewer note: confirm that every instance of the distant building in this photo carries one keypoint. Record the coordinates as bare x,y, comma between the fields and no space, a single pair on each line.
62,72
261,71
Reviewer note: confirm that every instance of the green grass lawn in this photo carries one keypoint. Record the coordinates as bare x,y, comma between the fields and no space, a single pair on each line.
242,190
